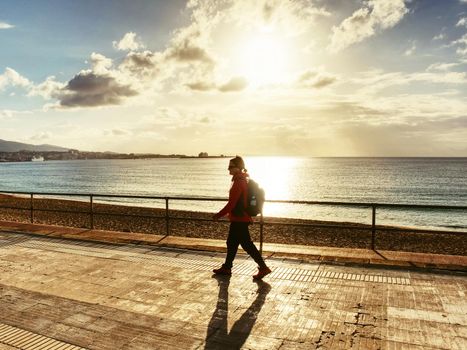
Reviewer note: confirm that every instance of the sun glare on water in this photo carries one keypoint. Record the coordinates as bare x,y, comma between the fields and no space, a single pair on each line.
276,176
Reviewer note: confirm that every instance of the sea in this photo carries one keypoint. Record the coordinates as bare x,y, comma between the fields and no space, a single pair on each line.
428,181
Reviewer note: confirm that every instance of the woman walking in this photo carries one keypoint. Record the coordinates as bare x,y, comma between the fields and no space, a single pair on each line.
239,233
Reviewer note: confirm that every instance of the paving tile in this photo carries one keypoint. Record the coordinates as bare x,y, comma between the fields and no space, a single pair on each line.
127,296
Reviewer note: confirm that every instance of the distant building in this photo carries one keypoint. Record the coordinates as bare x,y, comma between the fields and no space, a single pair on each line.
203,155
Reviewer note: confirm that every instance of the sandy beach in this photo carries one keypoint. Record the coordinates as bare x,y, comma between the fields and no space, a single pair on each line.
182,223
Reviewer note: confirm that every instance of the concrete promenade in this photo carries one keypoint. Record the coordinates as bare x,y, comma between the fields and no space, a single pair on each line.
130,293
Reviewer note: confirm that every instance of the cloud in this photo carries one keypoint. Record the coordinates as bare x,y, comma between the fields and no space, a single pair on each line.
148,70
40,136
415,137
47,89
403,125
189,60
5,113
315,79
411,50
374,17
443,67
129,42
201,86
234,84
4,25
462,22
118,132
88,89
12,78
103,84
291,18
440,36
141,63
187,46
100,64
374,81
193,47
461,44
377,140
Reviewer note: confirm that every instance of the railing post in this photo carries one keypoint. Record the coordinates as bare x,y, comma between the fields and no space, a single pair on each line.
261,225
373,226
91,213
32,208
167,216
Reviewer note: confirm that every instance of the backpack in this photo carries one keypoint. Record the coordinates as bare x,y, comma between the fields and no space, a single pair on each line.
255,198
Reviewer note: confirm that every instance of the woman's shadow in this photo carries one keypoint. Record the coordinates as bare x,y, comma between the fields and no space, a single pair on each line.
218,336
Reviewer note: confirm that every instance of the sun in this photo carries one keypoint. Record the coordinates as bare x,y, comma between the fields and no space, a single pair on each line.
263,59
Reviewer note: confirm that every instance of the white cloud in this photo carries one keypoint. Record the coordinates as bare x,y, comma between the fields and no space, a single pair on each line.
372,82
289,17
411,50
41,136
461,41
234,84
190,44
316,78
374,17
100,64
440,36
47,89
442,78
441,67
6,113
461,44
129,42
12,78
4,25
462,22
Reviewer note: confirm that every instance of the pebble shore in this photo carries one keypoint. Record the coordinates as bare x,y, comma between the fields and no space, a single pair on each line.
199,224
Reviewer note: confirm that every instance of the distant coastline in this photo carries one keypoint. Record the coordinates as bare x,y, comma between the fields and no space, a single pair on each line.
28,156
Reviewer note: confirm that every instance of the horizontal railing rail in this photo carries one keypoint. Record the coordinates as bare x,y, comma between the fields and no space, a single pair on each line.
90,198
192,198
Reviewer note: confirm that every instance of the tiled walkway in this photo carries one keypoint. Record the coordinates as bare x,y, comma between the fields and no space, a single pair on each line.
72,294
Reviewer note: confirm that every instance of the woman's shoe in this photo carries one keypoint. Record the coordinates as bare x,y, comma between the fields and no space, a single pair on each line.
223,271
262,271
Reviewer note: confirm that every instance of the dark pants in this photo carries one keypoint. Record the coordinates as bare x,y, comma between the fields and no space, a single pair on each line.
240,235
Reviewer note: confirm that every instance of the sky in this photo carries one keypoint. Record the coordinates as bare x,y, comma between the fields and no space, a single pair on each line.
265,77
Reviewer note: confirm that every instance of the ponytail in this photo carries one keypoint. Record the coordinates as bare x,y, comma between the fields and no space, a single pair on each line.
239,163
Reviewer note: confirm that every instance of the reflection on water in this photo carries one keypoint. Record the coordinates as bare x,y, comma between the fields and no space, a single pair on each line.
276,175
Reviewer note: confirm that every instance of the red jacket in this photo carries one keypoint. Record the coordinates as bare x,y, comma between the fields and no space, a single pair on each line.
238,192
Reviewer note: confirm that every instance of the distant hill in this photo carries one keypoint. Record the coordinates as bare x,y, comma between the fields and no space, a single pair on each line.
11,146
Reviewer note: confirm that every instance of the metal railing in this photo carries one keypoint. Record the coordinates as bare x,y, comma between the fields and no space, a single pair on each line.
359,226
